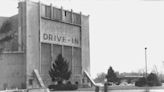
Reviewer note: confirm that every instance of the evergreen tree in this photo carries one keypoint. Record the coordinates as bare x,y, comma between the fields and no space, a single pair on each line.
153,80
60,70
111,75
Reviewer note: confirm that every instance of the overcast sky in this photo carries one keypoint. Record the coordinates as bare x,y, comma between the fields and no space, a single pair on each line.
119,31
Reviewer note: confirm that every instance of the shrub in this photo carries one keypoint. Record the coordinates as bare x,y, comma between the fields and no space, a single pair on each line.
151,80
63,87
141,82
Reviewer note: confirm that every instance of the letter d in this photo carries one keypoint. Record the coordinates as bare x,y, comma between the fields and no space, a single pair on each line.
45,36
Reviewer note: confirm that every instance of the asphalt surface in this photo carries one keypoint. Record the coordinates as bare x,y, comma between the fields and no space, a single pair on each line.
124,89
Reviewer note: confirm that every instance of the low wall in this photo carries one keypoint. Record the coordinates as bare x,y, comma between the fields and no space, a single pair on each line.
12,70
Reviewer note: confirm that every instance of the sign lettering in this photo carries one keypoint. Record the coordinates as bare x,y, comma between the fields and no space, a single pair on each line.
57,38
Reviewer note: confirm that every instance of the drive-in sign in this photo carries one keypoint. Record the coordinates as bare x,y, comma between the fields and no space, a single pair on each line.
61,39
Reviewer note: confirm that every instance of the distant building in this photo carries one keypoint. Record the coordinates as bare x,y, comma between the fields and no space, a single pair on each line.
130,79
41,32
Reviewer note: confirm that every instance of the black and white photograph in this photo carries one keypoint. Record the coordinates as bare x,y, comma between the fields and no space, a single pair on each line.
81,45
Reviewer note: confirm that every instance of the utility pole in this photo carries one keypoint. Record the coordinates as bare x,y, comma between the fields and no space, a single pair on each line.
146,63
